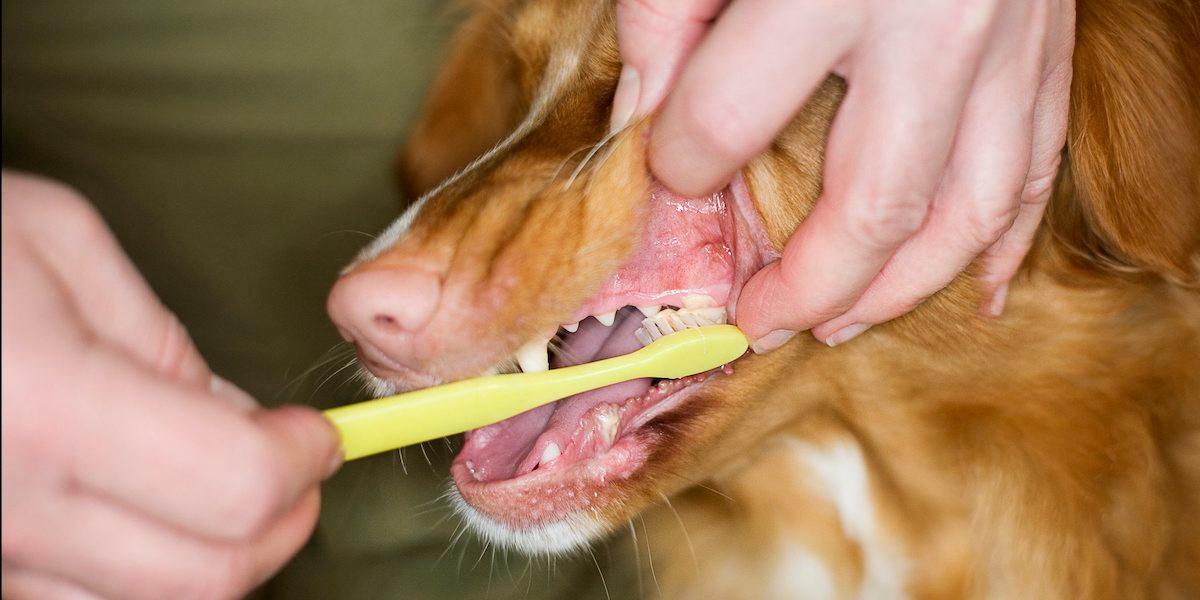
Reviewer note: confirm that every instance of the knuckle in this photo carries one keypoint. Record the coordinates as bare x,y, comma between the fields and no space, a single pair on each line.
1038,188
986,220
885,221
175,349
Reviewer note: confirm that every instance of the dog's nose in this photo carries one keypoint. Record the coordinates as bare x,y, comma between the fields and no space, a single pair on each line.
380,306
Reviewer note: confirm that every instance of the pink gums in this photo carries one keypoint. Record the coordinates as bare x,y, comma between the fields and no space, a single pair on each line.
686,250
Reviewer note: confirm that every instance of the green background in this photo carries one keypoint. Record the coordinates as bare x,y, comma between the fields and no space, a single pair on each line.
241,151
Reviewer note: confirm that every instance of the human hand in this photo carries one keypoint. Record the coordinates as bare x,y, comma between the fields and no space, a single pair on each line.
129,470
944,150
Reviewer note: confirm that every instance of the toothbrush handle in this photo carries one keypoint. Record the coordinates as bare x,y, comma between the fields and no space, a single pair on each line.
393,422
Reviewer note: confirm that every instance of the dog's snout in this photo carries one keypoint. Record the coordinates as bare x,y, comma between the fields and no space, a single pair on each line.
381,306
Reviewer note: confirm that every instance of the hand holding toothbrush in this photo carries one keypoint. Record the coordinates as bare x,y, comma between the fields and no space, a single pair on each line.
129,469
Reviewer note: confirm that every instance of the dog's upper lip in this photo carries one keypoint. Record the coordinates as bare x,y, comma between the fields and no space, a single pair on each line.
377,362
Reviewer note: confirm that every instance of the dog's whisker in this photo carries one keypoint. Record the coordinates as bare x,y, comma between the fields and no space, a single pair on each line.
325,360
687,537
347,365
637,555
579,168
600,572
650,555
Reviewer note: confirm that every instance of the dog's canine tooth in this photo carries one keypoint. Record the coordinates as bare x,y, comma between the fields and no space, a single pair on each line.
651,310
534,356
607,318
571,327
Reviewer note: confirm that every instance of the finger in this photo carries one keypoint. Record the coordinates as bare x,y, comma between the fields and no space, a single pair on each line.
267,554
116,553
179,456
108,292
742,84
978,198
1004,258
886,154
655,36
23,584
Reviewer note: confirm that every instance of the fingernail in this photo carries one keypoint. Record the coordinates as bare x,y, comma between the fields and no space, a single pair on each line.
995,306
846,334
772,341
220,387
625,101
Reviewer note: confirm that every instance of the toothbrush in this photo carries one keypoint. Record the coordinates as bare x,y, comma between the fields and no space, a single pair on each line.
396,421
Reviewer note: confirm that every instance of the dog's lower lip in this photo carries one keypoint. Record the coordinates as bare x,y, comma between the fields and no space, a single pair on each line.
543,496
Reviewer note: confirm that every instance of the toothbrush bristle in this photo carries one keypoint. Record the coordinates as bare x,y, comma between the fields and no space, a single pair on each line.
672,320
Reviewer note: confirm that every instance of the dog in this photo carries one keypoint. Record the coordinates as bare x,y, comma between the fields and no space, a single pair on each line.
1052,452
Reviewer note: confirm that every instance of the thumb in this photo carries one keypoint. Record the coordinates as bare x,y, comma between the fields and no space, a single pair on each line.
763,300
655,37
308,445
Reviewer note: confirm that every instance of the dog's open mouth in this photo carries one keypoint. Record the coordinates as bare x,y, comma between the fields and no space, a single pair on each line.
547,464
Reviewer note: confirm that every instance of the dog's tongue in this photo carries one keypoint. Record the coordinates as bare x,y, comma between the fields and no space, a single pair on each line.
569,427
526,435
595,342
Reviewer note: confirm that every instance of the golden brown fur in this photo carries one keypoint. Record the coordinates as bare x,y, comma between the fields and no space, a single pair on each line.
1050,453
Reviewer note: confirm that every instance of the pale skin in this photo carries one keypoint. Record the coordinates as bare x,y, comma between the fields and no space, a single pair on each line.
943,152
129,470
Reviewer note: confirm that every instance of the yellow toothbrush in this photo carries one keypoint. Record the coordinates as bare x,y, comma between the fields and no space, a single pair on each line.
396,421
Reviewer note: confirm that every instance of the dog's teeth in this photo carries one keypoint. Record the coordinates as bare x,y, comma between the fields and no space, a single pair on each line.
651,310
607,318
549,453
572,327
672,320
534,356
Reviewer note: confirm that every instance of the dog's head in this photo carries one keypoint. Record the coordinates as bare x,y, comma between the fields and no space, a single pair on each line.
534,223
